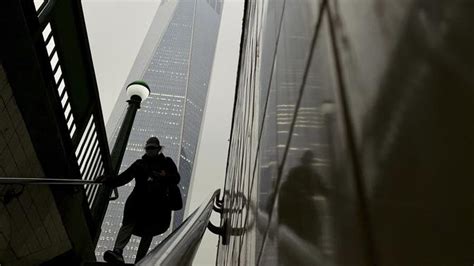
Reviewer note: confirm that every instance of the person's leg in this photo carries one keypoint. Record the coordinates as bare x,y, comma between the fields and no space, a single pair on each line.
145,243
123,236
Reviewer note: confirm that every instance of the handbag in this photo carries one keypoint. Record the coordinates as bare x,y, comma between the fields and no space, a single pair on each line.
174,198
172,192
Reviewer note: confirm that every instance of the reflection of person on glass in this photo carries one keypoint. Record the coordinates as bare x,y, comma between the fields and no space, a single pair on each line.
298,212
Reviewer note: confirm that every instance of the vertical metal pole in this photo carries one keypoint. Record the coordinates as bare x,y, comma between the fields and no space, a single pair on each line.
103,196
122,139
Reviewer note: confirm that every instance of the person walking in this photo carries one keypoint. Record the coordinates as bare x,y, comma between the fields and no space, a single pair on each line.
147,211
299,214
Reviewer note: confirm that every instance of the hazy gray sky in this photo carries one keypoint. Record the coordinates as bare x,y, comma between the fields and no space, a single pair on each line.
209,171
116,30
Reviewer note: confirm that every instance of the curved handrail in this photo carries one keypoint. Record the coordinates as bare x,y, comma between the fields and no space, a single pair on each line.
181,245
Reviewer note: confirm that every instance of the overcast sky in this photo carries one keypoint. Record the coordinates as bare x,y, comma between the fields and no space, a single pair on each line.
116,29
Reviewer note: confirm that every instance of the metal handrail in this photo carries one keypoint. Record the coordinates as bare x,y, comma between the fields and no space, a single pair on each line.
180,246
46,181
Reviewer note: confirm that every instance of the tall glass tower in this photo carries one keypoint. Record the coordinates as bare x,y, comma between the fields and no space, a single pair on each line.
176,61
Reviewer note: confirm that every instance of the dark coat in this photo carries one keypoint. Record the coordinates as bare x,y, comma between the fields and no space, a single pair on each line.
147,205
296,205
298,211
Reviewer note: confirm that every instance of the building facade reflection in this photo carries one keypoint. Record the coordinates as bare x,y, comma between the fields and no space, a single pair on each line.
363,87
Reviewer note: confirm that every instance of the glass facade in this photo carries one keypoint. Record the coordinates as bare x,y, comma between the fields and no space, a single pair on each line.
178,72
339,155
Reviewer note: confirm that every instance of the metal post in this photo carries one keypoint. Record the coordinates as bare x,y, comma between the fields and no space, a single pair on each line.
122,139
139,91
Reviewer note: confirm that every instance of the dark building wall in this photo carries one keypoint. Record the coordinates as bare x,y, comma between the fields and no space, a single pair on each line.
31,230
350,143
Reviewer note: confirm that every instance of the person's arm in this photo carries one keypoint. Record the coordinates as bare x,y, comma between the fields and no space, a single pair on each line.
123,178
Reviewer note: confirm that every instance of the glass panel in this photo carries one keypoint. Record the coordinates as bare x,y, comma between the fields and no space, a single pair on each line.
61,87
89,149
83,138
73,130
54,61
58,74
71,118
38,4
50,46
47,31
88,164
64,100
67,110
87,144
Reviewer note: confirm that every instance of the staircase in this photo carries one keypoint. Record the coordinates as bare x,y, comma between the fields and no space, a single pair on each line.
97,263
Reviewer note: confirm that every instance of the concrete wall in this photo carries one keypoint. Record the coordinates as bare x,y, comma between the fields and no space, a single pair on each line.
31,230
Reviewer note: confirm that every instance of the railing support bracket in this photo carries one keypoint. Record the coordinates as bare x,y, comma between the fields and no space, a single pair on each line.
220,230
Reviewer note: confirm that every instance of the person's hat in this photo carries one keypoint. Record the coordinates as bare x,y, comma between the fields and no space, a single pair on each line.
152,142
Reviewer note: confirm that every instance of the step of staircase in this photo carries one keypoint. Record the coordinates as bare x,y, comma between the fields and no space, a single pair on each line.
98,263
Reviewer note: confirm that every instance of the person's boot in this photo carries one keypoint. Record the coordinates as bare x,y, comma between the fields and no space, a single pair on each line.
114,256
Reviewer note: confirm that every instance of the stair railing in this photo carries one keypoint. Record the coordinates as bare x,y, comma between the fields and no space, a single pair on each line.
181,245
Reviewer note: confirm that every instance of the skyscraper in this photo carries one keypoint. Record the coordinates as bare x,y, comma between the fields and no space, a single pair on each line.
176,61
